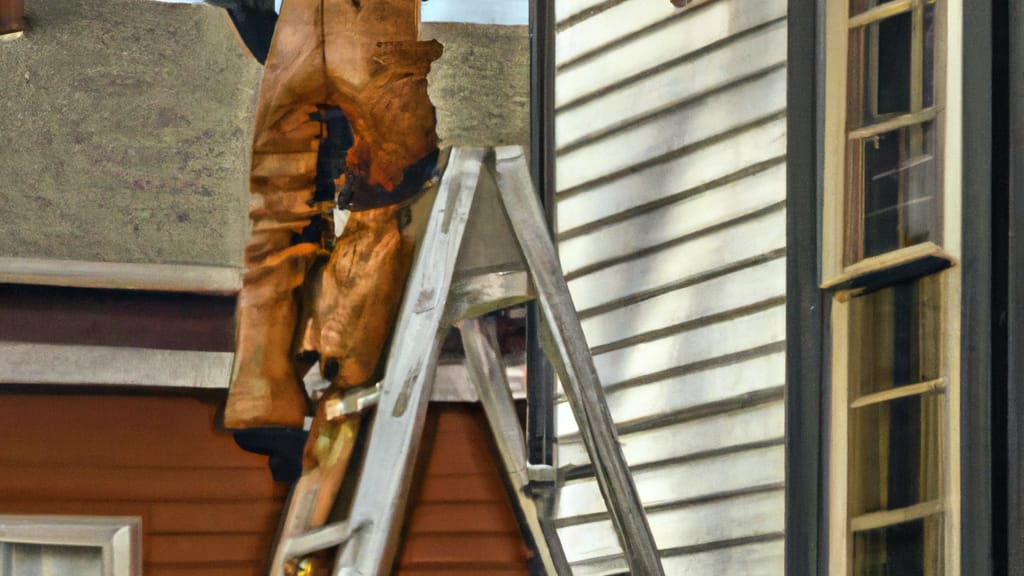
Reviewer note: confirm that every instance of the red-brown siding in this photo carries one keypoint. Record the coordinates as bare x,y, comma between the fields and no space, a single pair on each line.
461,522
208,508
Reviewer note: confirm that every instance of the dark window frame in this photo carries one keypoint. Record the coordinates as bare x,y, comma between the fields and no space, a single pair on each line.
807,307
1014,445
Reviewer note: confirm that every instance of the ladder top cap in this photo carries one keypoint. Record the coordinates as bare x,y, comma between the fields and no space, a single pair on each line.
508,152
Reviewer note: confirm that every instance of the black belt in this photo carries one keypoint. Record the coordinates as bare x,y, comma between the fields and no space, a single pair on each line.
357,194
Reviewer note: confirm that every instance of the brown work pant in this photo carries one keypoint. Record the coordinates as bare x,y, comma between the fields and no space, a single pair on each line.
303,300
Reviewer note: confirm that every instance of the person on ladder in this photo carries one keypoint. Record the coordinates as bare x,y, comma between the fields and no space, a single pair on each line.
343,122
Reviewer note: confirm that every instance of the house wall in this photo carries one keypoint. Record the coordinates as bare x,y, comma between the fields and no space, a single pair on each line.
460,521
126,128
207,507
210,509
670,167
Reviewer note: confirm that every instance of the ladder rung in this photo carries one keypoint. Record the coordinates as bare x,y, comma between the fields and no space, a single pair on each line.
327,536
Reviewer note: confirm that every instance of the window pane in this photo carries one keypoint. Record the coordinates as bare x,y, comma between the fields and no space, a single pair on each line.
893,184
879,75
881,79
928,71
896,337
894,454
52,560
910,549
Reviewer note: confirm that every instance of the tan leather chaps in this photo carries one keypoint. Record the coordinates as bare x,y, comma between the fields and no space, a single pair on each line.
307,295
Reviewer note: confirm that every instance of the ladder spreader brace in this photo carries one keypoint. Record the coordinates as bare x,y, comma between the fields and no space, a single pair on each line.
436,298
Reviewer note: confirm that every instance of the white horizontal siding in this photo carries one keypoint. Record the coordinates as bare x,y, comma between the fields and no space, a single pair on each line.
759,559
739,289
706,72
756,559
610,25
691,346
713,22
690,438
565,9
688,391
681,261
699,168
685,217
670,147
706,477
678,128
730,519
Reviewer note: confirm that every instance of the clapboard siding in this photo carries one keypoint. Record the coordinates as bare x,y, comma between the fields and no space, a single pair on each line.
762,49
758,556
686,219
692,346
702,29
608,27
697,393
690,439
689,304
667,180
460,520
706,478
745,516
672,132
207,507
670,168
566,9
678,263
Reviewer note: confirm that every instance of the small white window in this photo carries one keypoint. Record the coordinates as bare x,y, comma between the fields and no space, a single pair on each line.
62,545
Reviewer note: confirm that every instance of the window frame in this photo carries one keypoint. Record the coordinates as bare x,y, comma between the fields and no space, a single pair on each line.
118,537
835,274
840,281
807,395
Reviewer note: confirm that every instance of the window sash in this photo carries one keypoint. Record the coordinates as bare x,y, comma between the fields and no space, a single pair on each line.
841,224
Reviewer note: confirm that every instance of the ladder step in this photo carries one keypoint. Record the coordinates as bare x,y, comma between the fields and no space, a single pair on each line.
326,536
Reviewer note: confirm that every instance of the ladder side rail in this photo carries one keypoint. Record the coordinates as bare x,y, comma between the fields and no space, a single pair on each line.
378,510
487,371
569,353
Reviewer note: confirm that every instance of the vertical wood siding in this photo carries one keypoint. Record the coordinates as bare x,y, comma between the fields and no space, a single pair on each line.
207,507
670,147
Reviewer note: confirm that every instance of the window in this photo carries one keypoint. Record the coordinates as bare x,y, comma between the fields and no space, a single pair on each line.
890,240
85,546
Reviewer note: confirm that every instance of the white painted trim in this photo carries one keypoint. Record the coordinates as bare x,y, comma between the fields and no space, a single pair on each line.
834,161
952,239
33,363
119,537
77,365
120,275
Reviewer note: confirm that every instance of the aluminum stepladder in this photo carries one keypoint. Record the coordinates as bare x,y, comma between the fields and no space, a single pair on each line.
437,296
